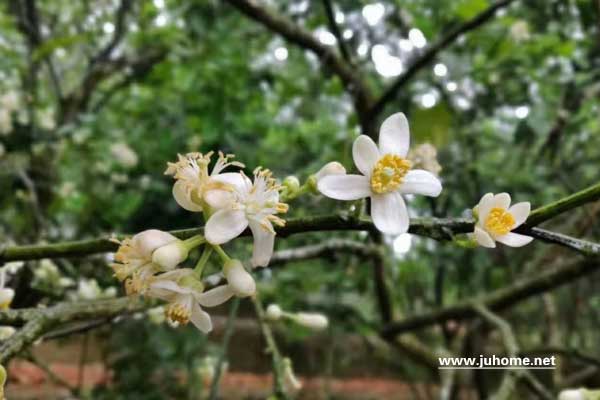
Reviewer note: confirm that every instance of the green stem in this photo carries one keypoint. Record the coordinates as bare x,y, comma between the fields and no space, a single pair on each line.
214,388
224,257
194,242
202,261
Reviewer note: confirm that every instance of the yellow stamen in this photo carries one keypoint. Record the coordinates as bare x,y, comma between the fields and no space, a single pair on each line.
388,173
176,312
499,221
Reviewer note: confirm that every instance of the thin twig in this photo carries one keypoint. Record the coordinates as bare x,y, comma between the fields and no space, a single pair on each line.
214,388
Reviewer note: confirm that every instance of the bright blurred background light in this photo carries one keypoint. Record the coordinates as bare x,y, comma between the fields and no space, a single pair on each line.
451,86
440,69
373,13
417,38
326,37
281,53
428,100
339,17
386,64
406,45
159,3
522,112
108,27
161,20
348,34
402,244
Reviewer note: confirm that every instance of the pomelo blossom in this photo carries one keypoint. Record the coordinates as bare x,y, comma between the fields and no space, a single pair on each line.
133,259
496,219
386,175
194,182
185,294
239,280
331,168
255,205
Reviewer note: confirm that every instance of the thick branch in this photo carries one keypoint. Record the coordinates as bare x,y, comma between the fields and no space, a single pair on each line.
499,299
431,52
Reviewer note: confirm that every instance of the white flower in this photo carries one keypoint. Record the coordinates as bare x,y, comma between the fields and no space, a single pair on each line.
124,155
274,312
571,394
311,320
185,295
134,258
254,205
331,168
496,219
170,255
194,183
6,332
239,280
386,175
6,297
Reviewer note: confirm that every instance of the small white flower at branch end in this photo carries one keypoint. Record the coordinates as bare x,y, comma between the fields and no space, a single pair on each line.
331,168
194,182
185,294
386,176
273,312
255,205
3,376
239,280
572,394
6,332
496,219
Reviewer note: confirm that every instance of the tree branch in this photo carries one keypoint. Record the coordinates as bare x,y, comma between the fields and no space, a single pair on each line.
335,29
435,228
501,298
430,53
361,94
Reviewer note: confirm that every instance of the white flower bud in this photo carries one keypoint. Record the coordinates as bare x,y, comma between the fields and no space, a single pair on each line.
240,281
151,239
6,297
6,332
274,312
311,320
331,168
572,394
170,255
291,183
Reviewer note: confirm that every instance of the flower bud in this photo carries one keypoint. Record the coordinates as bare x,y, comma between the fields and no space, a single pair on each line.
291,183
331,168
151,239
240,281
274,312
170,255
6,332
572,394
311,320
6,297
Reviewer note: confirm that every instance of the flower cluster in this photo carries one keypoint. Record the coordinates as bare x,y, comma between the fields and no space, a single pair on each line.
149,263
387,173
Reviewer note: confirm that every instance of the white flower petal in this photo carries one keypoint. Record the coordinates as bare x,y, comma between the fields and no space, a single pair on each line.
514,239
365,154
234,179
225,225
483,238
331,168
345,187
218,198
484,207
419,181
520,211
394,135
150,240
389,213
215,296
264,241
200,319
239,280
182,197
501,200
